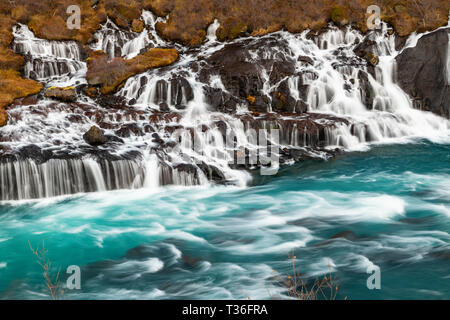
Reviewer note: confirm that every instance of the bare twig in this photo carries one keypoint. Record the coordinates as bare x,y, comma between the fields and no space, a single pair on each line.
52,283
297,288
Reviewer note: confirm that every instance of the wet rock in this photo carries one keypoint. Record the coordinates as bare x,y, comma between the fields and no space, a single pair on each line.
164,107
161,91
129,129
306,60
220,101
111,101
95,136
366,90
240,74
212,173
422,73
157,139
260,104
35,153
66,94
283,102
113,139
367,50
181,92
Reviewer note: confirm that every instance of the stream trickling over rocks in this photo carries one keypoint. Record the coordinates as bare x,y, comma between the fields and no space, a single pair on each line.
346,106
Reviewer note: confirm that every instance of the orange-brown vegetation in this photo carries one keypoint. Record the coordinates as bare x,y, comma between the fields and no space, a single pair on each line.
110,74
12,86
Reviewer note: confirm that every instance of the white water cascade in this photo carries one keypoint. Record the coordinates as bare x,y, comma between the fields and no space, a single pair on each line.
349,105
55,62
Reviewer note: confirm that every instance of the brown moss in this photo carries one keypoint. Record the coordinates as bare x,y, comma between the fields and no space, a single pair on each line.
110,74
263,16
67,94
12,86
340,15
137,25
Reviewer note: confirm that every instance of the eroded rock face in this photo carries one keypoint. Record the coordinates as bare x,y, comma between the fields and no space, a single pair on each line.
424,75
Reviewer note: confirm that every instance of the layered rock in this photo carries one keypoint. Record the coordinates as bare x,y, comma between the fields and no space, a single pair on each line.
423,72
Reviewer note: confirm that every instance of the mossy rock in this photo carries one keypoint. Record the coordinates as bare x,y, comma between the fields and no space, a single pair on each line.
66,94
110,74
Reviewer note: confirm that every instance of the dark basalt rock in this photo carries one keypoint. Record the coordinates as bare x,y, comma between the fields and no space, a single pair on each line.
111,101
212,173
221,101
367,93
36,153
95,136
127,130
241,75
283,102
180,88
422,73
306,60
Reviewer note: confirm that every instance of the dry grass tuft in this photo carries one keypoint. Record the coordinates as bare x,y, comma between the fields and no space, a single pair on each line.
297,288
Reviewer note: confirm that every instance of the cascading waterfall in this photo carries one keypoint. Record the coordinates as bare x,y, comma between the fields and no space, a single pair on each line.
49,60
26,179
119,43
339,115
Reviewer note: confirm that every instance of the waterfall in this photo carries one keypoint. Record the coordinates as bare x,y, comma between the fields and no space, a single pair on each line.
350,104
27,179
59,61
117,42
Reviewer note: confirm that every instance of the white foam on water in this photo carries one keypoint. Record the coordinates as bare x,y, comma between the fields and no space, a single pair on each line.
356,206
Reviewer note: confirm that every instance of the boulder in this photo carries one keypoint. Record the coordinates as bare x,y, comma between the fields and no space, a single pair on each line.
67,94
95,136
423,72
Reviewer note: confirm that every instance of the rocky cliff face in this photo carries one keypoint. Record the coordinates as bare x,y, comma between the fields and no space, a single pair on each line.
424,72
